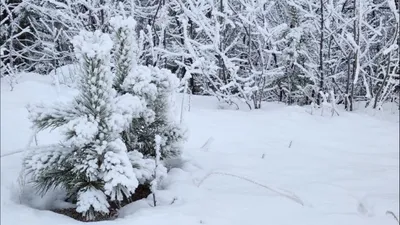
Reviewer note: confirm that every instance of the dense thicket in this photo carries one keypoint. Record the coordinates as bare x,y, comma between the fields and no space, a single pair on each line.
237,50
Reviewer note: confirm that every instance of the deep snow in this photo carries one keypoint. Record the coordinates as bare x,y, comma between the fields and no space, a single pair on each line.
345,170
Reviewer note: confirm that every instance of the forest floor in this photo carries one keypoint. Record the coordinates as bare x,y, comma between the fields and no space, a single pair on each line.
278,165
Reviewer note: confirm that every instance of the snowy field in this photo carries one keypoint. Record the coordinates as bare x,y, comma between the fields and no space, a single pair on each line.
277,166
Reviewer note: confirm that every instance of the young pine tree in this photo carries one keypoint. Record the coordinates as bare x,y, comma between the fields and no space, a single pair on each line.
92,163
155,87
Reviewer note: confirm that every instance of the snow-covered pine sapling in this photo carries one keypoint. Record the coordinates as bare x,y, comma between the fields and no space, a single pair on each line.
124,48
92,163
162,104
155,87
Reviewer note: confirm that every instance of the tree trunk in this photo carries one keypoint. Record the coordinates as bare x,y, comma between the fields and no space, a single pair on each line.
346,101
321,57
383,83
355,66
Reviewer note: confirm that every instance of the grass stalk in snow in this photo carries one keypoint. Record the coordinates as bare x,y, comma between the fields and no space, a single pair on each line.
207,144
292,197
395,217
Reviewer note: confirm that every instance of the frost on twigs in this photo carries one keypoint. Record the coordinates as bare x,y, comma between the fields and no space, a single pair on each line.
92,164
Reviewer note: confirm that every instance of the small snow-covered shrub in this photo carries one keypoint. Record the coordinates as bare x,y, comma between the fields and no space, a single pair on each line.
155,87
109,151
92,163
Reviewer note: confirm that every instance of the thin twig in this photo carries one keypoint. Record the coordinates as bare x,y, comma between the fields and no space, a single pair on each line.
12,153
207,144
395,217
292,197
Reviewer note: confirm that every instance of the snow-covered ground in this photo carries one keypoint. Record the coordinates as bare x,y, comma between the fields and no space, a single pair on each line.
279,166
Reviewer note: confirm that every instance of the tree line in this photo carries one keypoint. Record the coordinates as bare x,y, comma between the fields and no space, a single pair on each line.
295,51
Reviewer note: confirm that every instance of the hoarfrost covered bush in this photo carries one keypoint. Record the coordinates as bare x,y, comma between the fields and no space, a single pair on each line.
109,128
155,87
92,163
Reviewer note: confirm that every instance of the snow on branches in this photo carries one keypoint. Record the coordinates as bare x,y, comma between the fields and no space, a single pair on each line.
109,127
98,169
155,88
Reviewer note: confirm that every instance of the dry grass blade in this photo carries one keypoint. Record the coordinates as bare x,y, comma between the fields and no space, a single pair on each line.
395,217
292,197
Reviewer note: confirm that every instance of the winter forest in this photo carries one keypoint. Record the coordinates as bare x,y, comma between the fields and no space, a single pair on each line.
200,111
